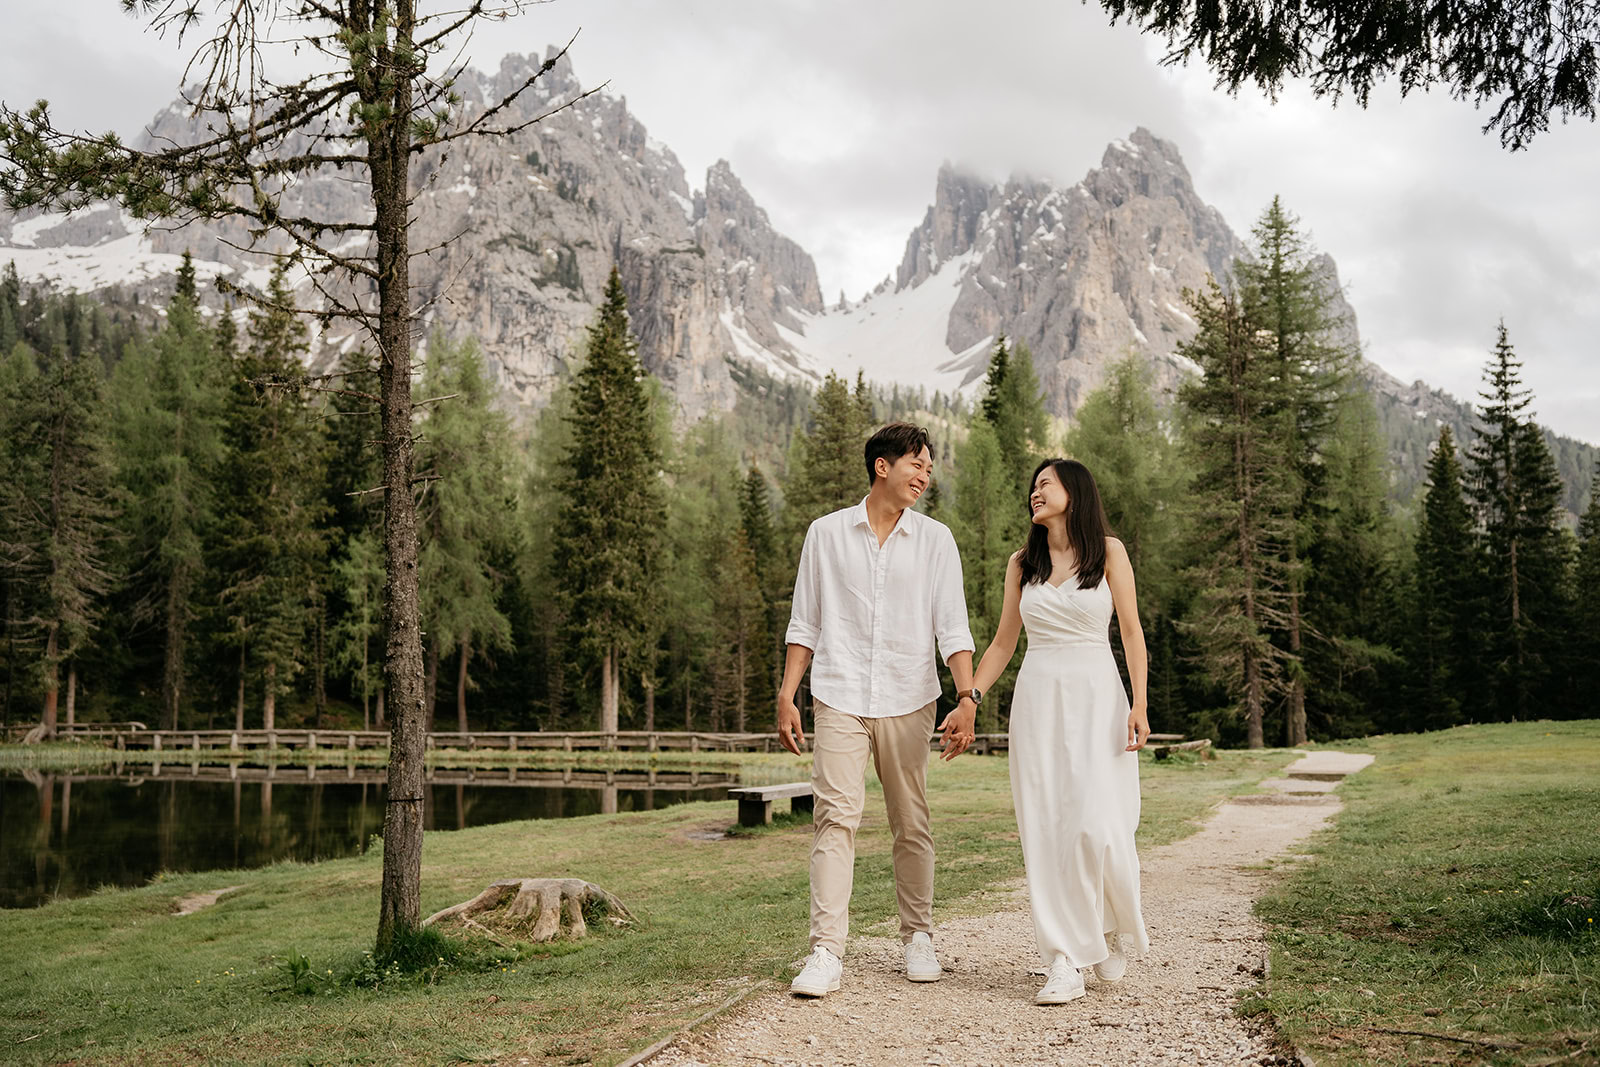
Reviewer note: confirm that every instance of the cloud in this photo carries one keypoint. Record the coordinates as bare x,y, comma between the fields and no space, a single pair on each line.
837,117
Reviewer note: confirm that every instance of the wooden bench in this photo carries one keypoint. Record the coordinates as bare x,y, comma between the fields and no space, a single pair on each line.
755,802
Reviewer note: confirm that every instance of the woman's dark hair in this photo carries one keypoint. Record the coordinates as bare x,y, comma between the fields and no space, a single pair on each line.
1087,527
893,441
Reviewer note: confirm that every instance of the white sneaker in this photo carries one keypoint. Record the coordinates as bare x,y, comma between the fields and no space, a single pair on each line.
921,964
1115,965
1064,984
819,976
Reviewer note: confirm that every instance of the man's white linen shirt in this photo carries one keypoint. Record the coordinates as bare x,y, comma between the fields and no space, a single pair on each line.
871,614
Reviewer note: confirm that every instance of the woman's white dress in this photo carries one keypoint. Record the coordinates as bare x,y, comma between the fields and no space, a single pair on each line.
1075,788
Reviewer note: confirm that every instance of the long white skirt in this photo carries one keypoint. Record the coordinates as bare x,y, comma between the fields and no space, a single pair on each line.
1076,793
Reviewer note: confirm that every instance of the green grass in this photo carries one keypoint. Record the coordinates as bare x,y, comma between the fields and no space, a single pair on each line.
1457,894
117,978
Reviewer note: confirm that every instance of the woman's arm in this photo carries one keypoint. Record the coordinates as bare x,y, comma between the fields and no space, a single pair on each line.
998,655
1124,598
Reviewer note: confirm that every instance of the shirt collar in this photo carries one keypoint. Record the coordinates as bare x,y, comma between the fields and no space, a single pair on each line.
859,517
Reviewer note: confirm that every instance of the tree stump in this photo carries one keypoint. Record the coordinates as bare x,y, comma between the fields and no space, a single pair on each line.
539,901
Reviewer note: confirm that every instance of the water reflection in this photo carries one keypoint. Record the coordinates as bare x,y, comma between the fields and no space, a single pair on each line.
66,834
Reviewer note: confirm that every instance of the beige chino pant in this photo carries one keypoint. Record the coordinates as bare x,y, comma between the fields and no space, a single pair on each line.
840,746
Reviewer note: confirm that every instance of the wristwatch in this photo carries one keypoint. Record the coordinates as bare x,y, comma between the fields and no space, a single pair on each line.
976,696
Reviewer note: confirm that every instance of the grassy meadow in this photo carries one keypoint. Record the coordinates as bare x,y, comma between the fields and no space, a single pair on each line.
1450,913
118,978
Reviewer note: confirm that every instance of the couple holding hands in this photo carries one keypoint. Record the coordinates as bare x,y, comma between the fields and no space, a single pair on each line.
878,584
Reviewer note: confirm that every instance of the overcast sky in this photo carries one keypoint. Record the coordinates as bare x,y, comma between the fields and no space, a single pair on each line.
837,115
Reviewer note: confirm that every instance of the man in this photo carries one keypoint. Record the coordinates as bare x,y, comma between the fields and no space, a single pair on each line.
877,584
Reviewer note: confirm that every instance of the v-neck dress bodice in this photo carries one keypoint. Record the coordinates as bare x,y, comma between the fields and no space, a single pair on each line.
1075,788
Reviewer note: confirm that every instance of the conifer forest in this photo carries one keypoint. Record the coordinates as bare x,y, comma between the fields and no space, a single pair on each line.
190,526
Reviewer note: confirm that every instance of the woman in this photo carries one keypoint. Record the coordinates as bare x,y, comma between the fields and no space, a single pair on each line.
1074,736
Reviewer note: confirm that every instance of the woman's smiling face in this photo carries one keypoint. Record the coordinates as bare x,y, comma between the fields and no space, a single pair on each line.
1049,496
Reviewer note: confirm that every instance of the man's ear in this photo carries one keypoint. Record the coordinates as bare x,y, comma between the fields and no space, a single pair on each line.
882,466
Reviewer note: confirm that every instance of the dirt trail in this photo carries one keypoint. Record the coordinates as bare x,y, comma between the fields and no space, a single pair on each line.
1174,1006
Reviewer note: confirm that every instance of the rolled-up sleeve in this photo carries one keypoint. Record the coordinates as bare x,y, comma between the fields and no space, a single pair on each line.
805,617
950,625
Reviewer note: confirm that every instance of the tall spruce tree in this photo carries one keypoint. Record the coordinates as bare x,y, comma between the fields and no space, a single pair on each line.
171,395
989,520
56,525
1351,603
1516,494
829,470
755,518
467,512
1448,576
1241,509
272,550
1288,294
1119,435
1586,596
606,550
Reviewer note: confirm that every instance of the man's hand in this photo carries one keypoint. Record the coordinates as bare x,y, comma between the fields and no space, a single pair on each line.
958,729
1138,729
791,735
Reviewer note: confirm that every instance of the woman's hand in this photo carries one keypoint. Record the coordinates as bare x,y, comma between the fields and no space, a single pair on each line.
1138,729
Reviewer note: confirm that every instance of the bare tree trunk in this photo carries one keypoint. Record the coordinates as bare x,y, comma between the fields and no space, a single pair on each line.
649,705
1297,684
366,695
461,686
430,683
609,702
321,659
52,684
238,703
172,660
740,695
269,697
388,152
1516,631
688,702
377,711
72,692
1252,702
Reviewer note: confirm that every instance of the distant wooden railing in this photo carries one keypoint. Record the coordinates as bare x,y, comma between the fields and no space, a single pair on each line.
134,736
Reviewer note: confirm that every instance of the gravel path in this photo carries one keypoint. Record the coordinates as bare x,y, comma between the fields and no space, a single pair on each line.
1174,1006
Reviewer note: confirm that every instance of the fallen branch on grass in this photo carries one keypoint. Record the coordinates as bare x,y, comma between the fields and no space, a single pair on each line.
1480,1041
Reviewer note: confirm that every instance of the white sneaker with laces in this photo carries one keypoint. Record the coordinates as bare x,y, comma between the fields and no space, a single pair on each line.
921,963
1064,984
819,976
1115,965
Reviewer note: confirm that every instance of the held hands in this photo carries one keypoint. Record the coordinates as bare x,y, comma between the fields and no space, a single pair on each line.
958,729
1138,729
791,735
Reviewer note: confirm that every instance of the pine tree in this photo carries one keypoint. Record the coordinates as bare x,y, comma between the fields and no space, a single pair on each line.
1448,575
466,513
755,518
1241,510
1013,406
1120,437
353,644
170,394
1287,292
273,550
741,672
829,471
989,520
1586,607
55,527
1516,495
607,552
1352,570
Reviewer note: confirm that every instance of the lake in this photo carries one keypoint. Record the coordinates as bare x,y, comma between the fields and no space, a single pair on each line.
65,834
